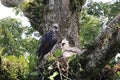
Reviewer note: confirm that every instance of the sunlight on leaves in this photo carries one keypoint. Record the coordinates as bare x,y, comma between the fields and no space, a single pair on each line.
52,76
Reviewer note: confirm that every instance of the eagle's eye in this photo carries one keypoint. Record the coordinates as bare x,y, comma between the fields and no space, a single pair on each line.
63,44
56,27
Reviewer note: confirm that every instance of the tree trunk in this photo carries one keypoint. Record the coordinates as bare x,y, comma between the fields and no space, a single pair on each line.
43,13
63,12
58,11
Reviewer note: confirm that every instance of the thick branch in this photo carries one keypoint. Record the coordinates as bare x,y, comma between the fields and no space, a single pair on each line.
103,50
12,3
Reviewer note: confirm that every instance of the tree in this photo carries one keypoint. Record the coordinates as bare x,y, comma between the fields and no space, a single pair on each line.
43,13
11,37
15,53
9,31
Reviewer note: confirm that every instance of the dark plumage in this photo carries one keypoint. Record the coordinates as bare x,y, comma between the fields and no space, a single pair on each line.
48,41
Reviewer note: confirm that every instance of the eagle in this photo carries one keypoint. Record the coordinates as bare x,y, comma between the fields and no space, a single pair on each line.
48,41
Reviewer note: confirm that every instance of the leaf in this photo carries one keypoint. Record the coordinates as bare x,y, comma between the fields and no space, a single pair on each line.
58,53
118,73
1,50
71,58
34,73
51,58
50,67
52,76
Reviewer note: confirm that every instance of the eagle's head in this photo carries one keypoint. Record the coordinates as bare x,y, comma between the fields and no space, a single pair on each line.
55,27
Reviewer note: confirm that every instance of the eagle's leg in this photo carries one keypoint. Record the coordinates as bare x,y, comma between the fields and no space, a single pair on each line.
51,54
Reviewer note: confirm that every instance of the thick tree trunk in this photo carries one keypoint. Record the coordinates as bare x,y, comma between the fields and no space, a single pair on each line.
58,11
43,13
62,12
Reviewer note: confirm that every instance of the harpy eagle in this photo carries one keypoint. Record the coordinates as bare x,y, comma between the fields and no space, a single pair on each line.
48,41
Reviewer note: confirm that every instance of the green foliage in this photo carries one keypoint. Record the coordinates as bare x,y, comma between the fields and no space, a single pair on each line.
30,45
11,39
13,68
90,27
118,73
53,75
10,35
58,53
22,7
115,10
75,71
16,10
110,9
93,17
15,64
32,61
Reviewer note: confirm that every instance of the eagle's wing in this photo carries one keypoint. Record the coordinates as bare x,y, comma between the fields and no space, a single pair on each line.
46,44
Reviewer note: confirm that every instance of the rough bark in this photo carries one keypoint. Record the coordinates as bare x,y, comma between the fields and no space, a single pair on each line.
106,46
65,12
12,3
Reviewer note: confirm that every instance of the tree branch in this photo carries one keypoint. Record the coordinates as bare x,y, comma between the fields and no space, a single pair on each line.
106,46
12,3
